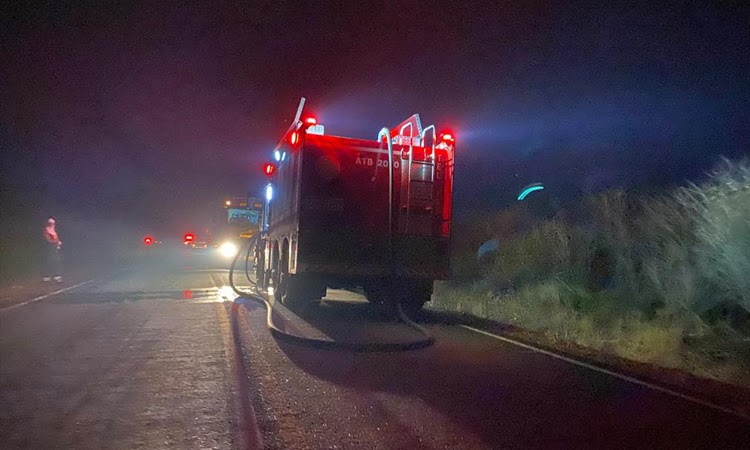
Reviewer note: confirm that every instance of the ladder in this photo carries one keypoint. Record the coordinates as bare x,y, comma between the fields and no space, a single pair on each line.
416,187
416,184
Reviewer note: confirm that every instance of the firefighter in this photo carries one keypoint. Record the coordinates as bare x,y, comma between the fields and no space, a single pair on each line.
53,266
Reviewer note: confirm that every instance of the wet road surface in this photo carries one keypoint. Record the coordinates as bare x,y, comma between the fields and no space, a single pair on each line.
161,357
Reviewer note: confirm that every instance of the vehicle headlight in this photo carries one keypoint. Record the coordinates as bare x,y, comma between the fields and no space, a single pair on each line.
228,250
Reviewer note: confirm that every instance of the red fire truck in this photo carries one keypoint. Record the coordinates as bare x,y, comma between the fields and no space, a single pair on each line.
371,215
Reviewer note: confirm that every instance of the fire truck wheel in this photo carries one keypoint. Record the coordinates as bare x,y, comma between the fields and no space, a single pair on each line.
298,292
281,285
418,294
411,294
279,275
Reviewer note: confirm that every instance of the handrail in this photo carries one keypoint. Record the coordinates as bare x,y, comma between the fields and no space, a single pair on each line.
408,170
432,155
434,137
385,132
411,131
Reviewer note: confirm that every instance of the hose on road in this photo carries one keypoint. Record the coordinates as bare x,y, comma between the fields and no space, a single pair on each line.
257,297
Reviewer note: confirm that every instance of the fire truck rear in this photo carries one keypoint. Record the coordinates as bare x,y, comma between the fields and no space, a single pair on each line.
371,215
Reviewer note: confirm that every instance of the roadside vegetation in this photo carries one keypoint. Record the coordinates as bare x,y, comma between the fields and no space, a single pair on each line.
662,280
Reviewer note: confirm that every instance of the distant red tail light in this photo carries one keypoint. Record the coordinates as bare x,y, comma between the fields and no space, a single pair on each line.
189,237
269,169
148,240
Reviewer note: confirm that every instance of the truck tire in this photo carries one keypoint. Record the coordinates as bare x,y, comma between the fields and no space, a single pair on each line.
300,291
419,294
294,293
291,290
412,294
278,275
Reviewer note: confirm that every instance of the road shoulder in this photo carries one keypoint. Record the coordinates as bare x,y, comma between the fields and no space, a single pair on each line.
735,399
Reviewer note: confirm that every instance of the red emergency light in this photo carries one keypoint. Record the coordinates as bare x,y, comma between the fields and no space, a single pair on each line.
189,237
269,169
148,240
447,137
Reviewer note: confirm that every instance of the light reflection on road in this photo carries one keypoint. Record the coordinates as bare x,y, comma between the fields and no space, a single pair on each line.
226,294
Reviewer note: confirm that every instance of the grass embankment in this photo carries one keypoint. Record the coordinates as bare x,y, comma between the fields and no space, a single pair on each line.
661,280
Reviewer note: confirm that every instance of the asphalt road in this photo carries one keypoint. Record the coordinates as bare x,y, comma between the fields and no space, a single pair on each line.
162,357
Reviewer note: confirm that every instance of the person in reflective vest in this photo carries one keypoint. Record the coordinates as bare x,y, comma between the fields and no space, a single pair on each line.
53,266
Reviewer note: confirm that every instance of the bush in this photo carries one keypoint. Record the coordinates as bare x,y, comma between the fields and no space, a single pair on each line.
689,250
722,216
535,256
629,274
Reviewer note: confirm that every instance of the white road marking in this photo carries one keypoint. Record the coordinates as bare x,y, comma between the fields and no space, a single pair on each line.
42,297
614,374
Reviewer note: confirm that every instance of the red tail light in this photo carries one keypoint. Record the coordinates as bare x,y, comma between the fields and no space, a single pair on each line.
189,237
148,240
269,169
311,121
294,138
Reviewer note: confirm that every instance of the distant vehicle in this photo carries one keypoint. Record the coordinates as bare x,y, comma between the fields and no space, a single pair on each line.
199,243
196,242
353,213
151,241
243,218
189,239
234,223
241,221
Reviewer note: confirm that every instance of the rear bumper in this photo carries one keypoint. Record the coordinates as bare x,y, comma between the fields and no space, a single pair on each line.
372,271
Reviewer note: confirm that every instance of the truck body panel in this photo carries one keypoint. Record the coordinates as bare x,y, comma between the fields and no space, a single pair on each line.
343,211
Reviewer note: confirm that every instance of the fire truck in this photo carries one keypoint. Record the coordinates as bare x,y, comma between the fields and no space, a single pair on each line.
242,217
367,215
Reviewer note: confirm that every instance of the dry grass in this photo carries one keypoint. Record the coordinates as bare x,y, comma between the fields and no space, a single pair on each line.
660,341
638,277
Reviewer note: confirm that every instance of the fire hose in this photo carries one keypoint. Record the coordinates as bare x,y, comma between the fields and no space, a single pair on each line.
279,334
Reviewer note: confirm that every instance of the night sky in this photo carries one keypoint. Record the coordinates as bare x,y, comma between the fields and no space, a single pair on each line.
147,112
